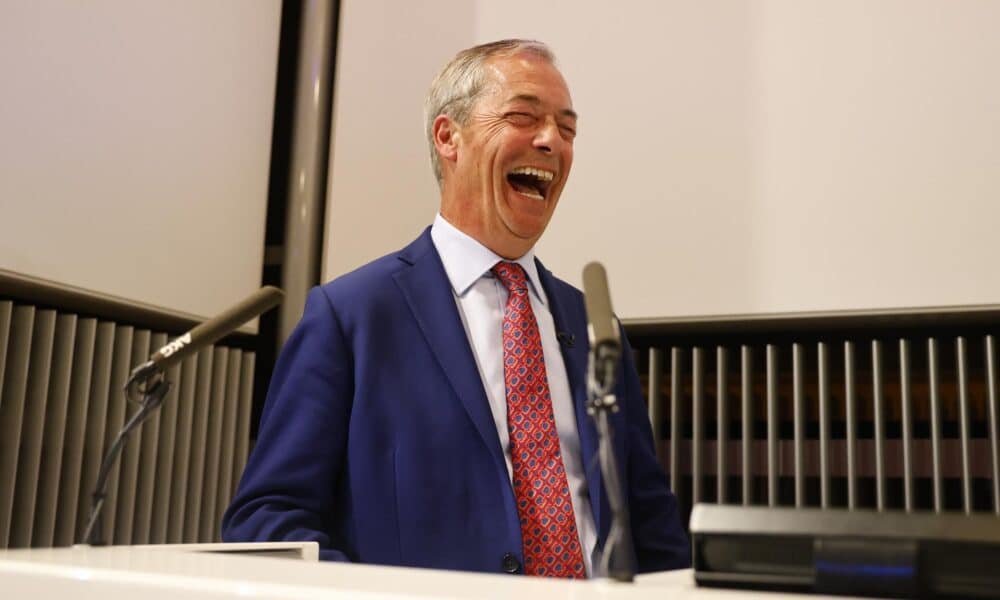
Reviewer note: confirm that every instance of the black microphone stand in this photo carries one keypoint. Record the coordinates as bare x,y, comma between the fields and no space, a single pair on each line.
616,556
146,387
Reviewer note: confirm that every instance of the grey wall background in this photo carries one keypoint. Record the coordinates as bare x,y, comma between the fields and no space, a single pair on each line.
734,156
135,146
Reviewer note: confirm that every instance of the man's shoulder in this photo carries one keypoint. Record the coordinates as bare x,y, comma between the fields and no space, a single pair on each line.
376,276
372,275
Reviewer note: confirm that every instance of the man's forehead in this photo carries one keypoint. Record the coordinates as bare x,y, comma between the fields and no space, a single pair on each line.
518,77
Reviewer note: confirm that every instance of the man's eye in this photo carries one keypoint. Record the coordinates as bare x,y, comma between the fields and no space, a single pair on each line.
569,132
520,118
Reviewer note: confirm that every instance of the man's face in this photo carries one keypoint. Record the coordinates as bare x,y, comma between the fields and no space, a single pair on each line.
513,157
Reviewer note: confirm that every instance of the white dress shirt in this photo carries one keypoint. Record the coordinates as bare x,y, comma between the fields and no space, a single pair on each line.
481,299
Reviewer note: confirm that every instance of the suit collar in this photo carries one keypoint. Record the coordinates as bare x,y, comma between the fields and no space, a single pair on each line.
427,292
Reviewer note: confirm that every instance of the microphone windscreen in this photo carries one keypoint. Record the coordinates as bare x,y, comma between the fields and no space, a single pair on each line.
223,324
601,324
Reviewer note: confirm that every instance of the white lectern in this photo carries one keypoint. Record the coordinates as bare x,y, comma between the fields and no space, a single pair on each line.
242,571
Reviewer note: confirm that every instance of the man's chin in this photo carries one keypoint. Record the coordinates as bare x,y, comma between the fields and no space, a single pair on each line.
525,230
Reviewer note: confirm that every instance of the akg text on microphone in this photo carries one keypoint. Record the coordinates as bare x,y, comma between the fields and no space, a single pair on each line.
210,331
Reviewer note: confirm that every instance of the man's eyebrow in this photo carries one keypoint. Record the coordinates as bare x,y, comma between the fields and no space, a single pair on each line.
532,99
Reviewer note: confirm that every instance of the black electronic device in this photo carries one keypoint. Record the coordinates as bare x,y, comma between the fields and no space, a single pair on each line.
837,551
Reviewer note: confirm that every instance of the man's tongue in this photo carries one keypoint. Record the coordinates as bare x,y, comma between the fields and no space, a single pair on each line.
524,185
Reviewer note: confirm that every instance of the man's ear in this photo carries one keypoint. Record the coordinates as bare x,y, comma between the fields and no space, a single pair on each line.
447,138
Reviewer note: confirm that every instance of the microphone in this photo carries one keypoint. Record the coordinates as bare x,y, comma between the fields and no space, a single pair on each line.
210,331
602,327
566,339
174,352
605,349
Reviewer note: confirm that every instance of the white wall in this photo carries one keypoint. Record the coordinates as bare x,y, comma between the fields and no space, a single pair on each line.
135,143
875,129
733,156
381,189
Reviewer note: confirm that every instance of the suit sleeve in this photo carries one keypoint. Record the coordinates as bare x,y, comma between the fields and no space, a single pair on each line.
657,533
288,490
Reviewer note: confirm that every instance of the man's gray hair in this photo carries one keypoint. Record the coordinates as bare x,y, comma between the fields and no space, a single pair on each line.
460,83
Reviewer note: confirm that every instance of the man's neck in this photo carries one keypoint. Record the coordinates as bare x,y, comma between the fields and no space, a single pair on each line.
510,249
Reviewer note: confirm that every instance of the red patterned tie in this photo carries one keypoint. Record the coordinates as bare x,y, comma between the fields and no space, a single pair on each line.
548,526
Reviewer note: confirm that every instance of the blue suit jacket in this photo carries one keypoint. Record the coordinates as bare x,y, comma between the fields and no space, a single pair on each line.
378,442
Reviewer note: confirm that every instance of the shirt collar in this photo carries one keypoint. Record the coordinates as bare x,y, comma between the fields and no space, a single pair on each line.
466,260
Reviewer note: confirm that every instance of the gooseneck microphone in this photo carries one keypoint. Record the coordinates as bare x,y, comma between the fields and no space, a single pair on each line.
605,350
209,332
602,326
148,381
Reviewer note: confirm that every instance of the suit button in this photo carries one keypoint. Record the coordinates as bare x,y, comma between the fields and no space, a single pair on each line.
510,564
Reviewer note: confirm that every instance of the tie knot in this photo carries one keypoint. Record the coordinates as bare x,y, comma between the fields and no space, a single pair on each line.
512,276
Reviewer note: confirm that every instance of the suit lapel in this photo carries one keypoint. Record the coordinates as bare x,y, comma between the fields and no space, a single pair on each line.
428,293
571,327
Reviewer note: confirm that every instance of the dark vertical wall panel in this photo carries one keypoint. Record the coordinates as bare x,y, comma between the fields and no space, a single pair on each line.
823,359
210,483
196,471
227,448
6,313
799,423
146,473
850,414
163,469
12,399
53,434
70,525
59,518
746,410
128,480
906,414
878,420
121,363
243,423
697,423
935,408
991,397
772,425
963,422
722,426
676,357
190,375
655,399
32,426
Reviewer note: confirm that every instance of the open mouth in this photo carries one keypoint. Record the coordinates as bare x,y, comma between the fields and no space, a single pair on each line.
531,181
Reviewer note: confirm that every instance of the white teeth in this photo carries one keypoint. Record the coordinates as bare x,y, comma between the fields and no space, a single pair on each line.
541,174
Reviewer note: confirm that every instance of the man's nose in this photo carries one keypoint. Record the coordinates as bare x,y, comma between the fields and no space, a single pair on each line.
547,138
